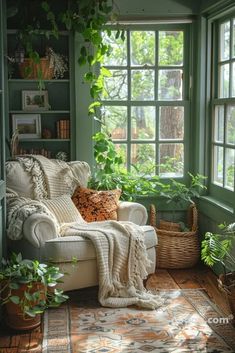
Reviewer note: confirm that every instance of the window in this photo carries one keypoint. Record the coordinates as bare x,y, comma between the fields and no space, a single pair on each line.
145,104
223,112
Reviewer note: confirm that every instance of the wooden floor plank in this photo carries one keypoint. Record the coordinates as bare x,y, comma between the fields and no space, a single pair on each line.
186,278
161,280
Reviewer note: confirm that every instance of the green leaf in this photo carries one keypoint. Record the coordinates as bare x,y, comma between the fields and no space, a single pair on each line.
105,72
82,61
89,76
83,51
14,299
117,34
123,35
13,285
45,6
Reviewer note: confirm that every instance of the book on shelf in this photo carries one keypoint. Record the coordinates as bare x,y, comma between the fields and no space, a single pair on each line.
63,129
42,151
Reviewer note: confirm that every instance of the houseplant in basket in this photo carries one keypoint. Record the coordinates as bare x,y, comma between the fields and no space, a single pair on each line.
219,248
178,243
26,291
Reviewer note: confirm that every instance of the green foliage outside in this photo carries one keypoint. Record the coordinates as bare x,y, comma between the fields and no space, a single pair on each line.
141,119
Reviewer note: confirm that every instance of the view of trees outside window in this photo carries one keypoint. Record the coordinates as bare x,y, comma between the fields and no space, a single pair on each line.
223,138
143,102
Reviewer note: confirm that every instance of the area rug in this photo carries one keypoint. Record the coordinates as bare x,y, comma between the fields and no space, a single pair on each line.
187,322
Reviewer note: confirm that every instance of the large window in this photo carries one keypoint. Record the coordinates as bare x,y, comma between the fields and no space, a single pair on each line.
223,112
146,99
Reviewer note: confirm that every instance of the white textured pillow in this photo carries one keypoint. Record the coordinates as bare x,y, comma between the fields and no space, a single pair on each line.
64,209
19,180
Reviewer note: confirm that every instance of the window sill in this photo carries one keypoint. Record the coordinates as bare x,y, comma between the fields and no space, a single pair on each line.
216,203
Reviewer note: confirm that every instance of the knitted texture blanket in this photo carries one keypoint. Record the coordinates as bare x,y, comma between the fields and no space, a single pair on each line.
18,210
122,262
51,178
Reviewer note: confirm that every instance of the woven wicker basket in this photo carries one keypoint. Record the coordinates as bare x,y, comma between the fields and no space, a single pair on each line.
177,249
30,70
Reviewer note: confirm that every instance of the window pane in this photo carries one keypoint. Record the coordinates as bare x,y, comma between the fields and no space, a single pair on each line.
224,40
142,85
233,80
143,158
218,165
142,48
143,123
229,168
234,38
219,124
224,81
170,85
115,121
116,86
118,54
171,47
171,160
230,126
171,122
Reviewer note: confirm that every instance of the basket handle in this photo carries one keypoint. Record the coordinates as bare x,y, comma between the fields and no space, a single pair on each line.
193,217
152,215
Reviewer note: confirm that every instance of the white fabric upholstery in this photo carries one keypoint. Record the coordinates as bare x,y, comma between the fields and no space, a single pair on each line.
63,209
133,211
40,235
18,179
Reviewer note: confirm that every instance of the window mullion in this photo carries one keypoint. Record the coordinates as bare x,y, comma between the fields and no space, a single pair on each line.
157,134
224,149
128,101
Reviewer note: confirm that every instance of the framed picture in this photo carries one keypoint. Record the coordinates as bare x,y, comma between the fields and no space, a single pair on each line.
35,100
27,125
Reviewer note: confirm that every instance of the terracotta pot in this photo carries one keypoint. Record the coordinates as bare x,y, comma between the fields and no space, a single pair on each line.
14,317
30,70
226,284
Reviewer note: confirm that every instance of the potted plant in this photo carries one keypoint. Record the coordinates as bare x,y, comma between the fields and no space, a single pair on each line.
111,174
26,291
52,65
219,248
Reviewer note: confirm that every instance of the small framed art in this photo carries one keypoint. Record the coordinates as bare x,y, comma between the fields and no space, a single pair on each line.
35,100
27,125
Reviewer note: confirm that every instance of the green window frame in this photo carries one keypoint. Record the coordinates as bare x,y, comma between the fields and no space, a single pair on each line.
158,104
222,180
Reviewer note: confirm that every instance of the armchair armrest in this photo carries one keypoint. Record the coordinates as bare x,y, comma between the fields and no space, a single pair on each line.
38,228
132,212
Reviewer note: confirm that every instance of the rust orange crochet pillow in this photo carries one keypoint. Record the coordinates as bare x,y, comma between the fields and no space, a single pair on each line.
96,205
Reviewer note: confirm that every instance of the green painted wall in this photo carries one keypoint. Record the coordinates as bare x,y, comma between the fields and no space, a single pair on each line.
2,127
157,8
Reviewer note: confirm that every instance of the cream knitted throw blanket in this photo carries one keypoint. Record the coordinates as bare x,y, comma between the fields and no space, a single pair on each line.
51,177
122,262
18,210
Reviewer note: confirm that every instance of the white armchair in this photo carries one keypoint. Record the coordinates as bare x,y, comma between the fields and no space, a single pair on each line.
39,236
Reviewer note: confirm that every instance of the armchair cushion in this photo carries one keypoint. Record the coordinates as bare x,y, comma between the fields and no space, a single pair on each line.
63,209
96,205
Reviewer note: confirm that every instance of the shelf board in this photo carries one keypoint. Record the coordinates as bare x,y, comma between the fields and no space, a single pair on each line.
39,111
14,31
43,140
23,80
